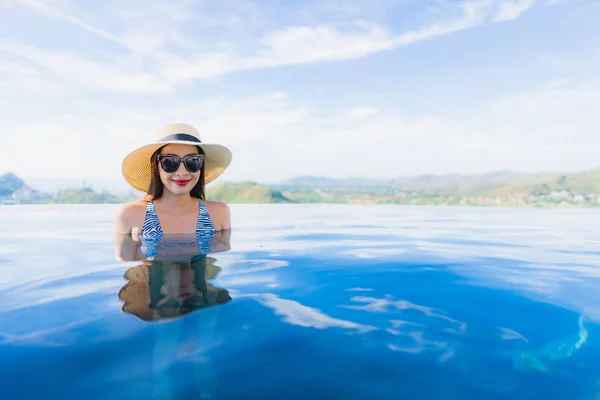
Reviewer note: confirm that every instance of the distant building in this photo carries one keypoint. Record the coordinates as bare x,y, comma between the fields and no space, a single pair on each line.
23,193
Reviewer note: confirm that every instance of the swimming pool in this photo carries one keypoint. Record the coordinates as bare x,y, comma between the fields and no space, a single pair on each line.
317,301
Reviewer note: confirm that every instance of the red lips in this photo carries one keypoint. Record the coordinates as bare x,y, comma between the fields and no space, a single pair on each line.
180,182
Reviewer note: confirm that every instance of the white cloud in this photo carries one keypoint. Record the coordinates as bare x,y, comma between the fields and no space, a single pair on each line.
97,136
83,72
300,45
558,83
150,24
44,8
474,13
31,82
154,24
304,45
512,9
149,29
551,129
321,43
7,3
273,137
360,112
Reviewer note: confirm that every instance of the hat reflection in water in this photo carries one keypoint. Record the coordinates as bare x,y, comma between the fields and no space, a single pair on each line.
165,290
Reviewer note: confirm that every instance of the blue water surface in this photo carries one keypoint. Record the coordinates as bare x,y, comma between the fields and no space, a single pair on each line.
312,301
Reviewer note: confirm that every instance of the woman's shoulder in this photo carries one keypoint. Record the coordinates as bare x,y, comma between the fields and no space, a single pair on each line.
130,214
219,213
134,207
215,204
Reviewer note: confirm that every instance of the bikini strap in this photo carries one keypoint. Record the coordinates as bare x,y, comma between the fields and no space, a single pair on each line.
151,227
205,224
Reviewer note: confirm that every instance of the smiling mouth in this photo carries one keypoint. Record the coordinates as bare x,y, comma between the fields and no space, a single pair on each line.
181,183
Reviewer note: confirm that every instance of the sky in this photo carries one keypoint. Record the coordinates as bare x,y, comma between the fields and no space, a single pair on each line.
338,88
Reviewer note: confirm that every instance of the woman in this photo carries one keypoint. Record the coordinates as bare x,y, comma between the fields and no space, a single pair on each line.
173,171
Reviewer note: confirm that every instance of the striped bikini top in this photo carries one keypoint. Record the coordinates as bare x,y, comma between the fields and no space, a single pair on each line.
152,232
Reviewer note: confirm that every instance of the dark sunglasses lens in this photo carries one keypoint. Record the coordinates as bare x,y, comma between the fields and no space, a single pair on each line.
170,163
193,164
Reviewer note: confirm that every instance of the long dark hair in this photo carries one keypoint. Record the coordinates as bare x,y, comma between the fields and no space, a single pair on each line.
156,188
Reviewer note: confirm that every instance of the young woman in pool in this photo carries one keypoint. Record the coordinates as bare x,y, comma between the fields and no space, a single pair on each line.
173,171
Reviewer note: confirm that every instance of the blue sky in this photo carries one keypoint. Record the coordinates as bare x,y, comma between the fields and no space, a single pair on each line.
341,88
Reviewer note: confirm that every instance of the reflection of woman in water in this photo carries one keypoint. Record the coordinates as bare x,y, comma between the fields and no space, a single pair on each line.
175,291
172,171
161,290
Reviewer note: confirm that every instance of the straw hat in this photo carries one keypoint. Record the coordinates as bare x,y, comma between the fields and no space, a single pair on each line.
136,166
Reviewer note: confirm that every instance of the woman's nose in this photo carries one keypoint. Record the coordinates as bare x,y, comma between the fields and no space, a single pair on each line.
182,171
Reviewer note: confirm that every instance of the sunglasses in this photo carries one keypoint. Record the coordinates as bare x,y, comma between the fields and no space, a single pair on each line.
170,162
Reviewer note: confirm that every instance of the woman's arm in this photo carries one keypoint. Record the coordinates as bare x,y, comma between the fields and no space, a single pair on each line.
221,241
127,244
128,249
219,214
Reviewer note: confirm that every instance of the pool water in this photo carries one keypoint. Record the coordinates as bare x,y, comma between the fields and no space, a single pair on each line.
311,301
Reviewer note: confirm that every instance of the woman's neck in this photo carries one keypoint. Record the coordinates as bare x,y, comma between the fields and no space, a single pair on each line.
169,202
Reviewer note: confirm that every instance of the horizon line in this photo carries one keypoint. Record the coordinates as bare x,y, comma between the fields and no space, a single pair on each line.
364,177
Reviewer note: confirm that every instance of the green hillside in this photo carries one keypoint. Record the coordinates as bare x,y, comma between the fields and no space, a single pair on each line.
245,192
583,182
84,196
496,183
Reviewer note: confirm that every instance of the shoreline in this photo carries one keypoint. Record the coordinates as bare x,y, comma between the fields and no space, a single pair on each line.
523,206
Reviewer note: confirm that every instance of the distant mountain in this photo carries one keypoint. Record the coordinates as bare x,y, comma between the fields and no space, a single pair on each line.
245,192
14,189
459,184
10,183
53,185
500,182
321,181
503,183
433,183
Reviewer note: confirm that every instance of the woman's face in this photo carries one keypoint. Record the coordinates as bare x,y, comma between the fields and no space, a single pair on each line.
180,181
